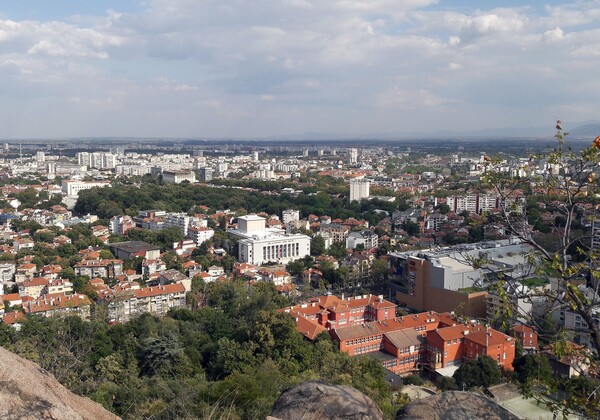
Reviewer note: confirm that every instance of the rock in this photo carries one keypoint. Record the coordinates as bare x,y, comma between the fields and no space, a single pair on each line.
29,392
317,400
454,405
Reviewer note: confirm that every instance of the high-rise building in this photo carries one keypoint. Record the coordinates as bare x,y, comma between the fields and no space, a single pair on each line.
206,174
596,235
353,155
359,189
290,216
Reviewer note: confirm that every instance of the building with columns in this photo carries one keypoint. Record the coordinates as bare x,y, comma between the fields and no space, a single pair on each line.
259,244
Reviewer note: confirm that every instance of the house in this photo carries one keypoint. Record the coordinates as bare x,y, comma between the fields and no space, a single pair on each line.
192,268
25,271
173,276
12,299
34,287
99,231
527,336
14,319
185,247
277,277
60,286
22,244
149,267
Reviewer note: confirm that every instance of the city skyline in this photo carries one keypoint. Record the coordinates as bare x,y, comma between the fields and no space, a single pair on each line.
183,68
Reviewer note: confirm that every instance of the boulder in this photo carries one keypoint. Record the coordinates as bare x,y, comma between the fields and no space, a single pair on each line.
31,393
318,400
454,405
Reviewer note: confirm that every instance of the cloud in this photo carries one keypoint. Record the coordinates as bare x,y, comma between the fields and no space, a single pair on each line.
308,65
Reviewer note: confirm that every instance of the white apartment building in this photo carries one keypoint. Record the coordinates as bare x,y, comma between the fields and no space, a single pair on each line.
353,155
178,177
258,244
72,188
366,238
359,189
180,220
288,216
200,234
596,235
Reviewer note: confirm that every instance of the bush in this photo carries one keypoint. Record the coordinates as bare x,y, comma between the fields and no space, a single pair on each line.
448,384
414,379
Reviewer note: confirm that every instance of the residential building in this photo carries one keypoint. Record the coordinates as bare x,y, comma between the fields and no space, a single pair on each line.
359,189
60,304
367,238
527,336
34,287
335,231
124,304
200,234
99,268
288,216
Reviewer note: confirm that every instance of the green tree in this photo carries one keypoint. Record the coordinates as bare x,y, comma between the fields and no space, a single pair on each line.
483,371
317,245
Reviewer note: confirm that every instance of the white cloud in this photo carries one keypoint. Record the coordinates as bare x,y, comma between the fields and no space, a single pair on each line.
314,64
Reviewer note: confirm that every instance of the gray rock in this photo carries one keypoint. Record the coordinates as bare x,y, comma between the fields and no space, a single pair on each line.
29,392
454,405
318,400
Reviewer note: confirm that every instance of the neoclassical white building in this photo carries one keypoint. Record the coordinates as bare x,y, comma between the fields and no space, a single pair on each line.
259,244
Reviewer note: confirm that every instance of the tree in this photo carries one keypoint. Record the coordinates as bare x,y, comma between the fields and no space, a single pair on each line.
533,368
317,245
483,371
295,268
565,183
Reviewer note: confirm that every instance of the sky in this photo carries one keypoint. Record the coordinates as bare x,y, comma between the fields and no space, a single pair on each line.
262,68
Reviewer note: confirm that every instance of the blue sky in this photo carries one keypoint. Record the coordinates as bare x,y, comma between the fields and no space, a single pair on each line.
239,68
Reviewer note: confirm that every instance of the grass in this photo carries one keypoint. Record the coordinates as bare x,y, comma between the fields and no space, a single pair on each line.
535,282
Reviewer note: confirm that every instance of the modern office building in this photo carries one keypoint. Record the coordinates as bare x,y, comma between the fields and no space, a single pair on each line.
447,279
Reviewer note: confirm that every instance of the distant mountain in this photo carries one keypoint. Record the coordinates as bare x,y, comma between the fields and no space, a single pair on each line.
587,130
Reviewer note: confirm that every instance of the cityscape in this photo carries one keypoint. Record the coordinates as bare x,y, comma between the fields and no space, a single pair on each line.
296,209
402,252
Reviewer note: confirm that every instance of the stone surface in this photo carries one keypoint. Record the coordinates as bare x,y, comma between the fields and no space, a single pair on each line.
454,405
317,400
29,392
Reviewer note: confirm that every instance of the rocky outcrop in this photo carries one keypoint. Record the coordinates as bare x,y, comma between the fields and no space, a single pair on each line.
29,392
454,405
317,400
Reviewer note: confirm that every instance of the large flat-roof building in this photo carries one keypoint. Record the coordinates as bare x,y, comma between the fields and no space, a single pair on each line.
259,244
445,279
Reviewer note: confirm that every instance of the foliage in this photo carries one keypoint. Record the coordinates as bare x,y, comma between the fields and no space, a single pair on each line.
232,357
483,371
